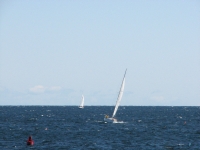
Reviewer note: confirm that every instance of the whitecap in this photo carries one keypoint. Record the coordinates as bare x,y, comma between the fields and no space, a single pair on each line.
98,121
119,122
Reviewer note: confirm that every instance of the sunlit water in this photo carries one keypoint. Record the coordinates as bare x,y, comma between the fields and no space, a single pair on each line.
57,127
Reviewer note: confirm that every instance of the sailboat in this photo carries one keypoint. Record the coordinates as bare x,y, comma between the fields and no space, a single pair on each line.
82,103
112,119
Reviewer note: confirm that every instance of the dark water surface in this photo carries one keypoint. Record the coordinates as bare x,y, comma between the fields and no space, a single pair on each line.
67,127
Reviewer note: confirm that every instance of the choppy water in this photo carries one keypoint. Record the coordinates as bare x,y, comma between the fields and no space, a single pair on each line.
57,127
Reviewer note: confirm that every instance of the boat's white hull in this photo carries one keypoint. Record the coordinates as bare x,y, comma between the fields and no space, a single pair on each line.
110,120
80,107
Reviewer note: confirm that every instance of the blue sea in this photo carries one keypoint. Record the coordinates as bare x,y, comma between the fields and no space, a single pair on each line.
70,128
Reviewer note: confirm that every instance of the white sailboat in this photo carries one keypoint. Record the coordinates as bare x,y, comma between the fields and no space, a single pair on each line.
82,103
112,119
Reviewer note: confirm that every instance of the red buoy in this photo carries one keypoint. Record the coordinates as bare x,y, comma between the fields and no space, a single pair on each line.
30,141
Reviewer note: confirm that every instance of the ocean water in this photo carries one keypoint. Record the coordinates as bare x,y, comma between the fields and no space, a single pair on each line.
67,127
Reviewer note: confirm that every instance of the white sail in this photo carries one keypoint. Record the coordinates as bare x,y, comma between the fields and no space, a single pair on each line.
119,96
82,102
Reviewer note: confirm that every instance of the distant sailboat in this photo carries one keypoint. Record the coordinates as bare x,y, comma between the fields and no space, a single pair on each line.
82,102
112,119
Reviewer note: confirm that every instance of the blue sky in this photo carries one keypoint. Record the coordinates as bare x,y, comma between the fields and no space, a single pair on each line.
52,52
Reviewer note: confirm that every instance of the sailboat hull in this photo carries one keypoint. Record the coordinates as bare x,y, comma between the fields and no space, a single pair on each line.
110,120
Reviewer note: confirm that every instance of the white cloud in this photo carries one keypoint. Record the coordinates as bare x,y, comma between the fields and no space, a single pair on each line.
41,89
37,89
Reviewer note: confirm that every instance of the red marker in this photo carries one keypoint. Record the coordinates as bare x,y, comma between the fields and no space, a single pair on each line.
30,141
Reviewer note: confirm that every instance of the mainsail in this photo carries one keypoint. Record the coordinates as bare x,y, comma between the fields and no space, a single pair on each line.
119,96
82,101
